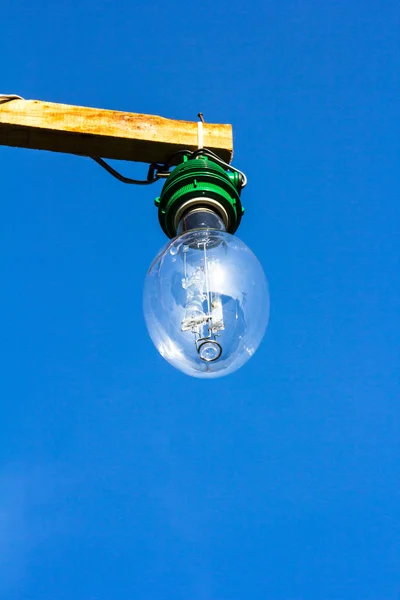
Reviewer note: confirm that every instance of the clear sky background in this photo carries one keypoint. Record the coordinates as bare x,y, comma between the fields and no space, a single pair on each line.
121,478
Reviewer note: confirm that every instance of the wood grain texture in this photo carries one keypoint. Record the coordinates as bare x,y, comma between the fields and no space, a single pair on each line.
106,133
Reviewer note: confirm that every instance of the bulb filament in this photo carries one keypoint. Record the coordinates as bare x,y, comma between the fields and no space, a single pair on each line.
203,312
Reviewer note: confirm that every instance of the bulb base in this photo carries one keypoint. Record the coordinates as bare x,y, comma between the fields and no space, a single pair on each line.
200,218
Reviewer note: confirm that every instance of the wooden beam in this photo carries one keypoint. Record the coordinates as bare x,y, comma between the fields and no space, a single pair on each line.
105,133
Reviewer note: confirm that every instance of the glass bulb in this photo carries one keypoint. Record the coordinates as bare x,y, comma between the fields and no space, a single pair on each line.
206,303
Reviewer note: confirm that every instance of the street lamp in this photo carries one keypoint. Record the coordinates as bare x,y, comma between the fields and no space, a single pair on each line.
206,300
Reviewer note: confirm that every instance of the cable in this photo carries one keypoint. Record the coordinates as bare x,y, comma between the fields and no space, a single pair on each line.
157,171
122,178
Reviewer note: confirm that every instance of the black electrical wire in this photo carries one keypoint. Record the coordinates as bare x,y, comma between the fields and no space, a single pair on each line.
120,177
158,171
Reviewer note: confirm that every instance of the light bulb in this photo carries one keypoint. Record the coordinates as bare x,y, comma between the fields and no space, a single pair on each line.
206,300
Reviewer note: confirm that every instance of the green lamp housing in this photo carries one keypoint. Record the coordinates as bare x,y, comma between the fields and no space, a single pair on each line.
200,183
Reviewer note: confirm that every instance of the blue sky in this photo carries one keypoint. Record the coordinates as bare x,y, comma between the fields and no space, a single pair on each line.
119,476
